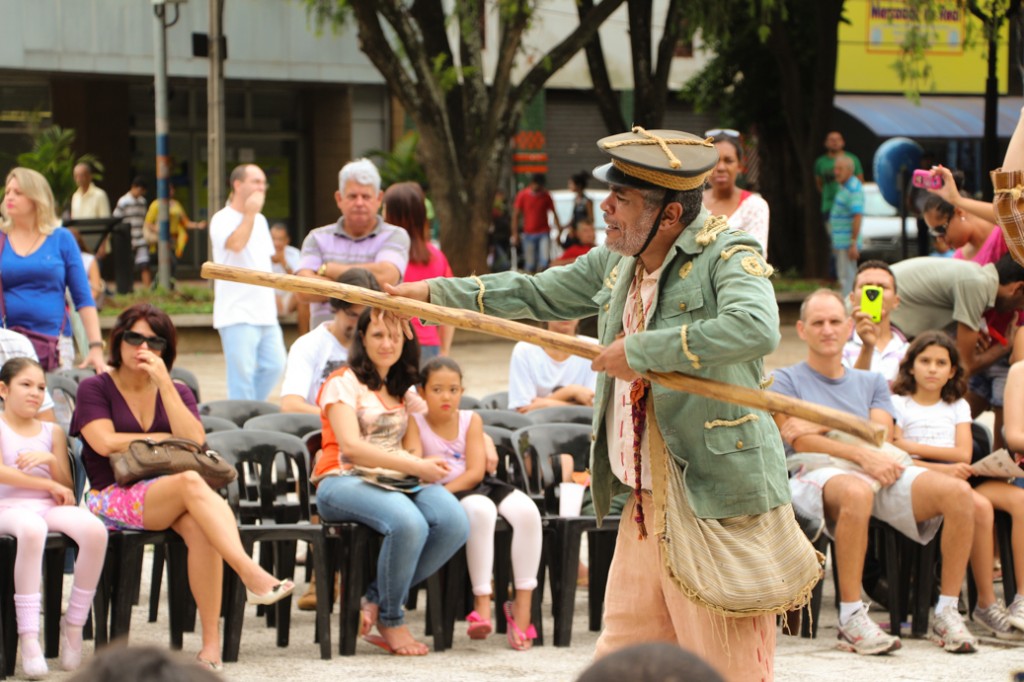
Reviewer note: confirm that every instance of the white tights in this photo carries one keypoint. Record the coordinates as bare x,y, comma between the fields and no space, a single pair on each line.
30,528
521,513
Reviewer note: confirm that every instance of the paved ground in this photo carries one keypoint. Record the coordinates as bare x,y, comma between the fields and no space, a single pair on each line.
485,366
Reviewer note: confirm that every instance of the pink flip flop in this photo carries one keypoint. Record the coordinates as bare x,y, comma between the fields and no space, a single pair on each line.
479,627
525,642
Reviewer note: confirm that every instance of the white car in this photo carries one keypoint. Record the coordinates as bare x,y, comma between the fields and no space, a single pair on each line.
881,238
564,199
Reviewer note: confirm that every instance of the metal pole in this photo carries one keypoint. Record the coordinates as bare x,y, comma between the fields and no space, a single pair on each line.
215,112
163,162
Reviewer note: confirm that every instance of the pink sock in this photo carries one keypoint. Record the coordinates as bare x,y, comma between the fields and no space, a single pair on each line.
78,606
26,608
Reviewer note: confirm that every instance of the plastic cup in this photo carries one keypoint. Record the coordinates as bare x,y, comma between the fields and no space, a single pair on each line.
570,499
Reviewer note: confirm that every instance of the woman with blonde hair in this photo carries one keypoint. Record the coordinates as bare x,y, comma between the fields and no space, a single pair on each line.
39,260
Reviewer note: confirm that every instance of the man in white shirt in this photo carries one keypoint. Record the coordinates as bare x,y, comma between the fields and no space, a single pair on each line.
538,377
876,347
246,315
285,261
88,201
313,356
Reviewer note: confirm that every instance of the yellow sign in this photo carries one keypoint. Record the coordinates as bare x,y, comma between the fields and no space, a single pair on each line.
869,47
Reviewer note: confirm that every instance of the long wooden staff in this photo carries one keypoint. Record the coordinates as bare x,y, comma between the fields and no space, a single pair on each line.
467,319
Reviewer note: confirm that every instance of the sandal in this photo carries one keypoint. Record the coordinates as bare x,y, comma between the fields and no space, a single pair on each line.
525,639
212,666
272,596
479,627
379,641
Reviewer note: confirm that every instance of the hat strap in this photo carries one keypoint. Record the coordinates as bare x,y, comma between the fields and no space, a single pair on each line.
654,227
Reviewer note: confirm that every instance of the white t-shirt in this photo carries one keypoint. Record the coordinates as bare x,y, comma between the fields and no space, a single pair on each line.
311,359
292,256
932,424
235,303
533,374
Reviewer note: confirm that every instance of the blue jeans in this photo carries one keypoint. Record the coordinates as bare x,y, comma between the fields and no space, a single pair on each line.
846,271
535,251
421,532
255,358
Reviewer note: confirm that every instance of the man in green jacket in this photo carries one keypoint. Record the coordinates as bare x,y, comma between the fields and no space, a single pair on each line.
674,290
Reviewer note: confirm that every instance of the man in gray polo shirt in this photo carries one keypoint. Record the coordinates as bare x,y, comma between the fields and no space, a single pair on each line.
360,238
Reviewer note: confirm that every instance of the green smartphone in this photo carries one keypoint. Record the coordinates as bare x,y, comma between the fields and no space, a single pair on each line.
871,302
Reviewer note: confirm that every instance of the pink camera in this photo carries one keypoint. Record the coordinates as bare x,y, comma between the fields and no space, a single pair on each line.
925,180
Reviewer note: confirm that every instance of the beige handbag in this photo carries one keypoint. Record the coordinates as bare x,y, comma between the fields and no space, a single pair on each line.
1009,207
740,566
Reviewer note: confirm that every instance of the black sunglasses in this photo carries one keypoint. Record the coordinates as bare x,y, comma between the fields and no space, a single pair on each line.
940,230
137,339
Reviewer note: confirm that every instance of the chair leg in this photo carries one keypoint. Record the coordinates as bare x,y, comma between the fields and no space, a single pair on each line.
1004,533
177,600
435,612
924,586
601,548
317,555
502,577
124,592
353,550
156,577
53,572
892,569
234,597
8,626
284,560
564,599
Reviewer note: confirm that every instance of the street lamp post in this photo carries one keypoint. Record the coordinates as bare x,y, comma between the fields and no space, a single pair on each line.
163,159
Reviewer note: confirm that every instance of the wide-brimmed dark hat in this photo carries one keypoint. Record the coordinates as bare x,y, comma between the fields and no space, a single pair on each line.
657,159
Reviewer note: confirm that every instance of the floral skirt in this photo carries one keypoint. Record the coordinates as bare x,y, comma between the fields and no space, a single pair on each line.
120,508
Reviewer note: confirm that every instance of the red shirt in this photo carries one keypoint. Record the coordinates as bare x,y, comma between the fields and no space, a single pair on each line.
575,251
535,206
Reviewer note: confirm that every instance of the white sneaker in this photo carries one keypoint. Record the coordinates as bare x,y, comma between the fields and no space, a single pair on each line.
1015,612
996,620
953,635
863,636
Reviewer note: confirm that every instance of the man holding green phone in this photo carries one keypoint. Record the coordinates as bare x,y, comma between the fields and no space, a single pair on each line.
876,345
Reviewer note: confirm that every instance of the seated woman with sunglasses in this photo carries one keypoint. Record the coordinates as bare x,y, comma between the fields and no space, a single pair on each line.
745,210
138,399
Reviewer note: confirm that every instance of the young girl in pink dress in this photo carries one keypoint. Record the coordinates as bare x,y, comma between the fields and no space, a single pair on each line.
36,497
457,436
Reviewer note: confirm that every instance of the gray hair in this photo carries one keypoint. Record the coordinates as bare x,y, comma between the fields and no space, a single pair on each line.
691,200
362,172
818,293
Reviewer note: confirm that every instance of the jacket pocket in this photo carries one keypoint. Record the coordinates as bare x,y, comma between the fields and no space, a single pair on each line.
687,302
728,435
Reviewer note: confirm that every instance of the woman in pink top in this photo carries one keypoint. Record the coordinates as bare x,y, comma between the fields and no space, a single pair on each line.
405,206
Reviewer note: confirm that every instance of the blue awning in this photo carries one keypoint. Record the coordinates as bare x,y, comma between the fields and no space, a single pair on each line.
935,117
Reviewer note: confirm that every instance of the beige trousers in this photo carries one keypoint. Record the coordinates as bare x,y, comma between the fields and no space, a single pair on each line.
642,604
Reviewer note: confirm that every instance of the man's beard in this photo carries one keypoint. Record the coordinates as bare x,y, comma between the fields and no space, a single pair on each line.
633,239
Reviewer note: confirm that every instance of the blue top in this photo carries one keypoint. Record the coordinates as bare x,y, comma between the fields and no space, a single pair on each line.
857,391
848,202
34,284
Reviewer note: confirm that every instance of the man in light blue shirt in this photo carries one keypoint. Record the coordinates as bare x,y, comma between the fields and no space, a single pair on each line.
844,223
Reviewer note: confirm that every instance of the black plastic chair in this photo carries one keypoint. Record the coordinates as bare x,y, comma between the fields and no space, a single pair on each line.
506,419
238,411
189,379
64,391
1004,538
297,424
76,374
541,447
468,402
562,414
495,401
211,424
277,524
